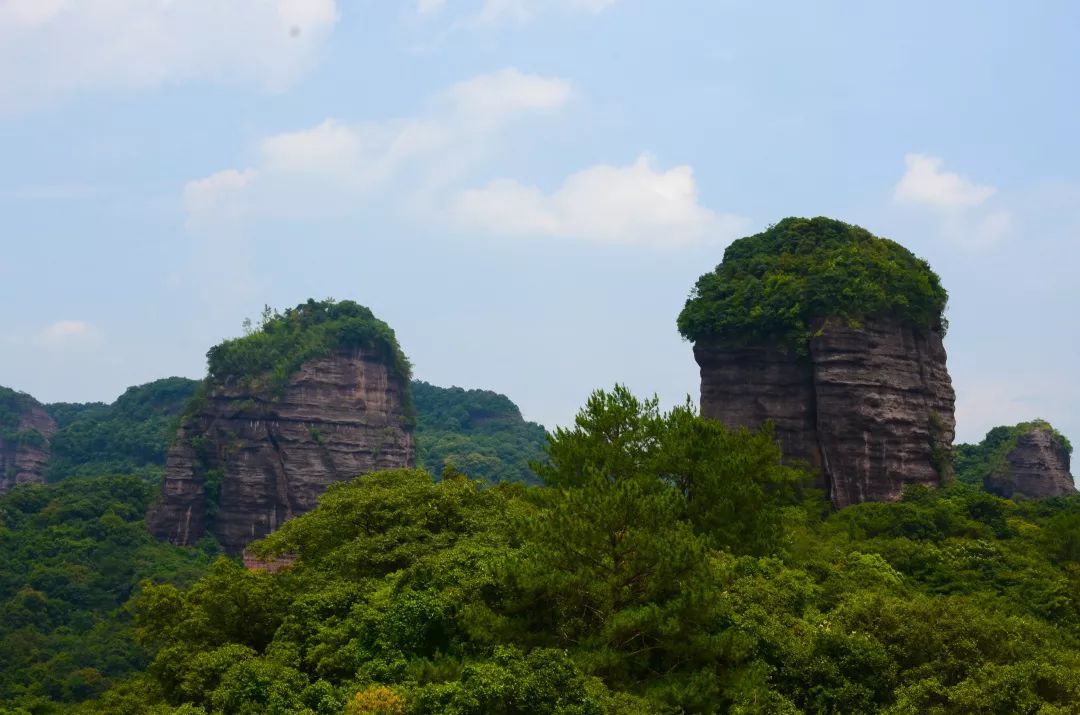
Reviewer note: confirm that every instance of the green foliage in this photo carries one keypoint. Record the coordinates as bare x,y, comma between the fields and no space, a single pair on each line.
778,284
476,432
129,436
13,406
71,554
728,484
269,354
668,566
974,463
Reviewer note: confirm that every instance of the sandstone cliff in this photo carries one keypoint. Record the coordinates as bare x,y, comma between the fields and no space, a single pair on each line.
870,409
835,336
258,449
25,430
1035,465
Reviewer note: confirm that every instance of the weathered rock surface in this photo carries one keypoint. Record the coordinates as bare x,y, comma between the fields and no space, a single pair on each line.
1038,467
870,409
269,457
24,445
743,386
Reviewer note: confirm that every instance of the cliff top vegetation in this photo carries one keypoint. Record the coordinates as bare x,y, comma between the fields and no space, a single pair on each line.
282,341
776,284
13,405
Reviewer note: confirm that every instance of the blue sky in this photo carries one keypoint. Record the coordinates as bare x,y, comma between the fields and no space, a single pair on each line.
525,190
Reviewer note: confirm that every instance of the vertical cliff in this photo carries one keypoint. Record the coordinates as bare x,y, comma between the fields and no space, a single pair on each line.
884,409
25,431
268,434
835,336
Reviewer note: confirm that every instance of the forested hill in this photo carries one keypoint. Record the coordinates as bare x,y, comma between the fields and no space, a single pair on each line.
129,436
669,565
475,432
672,566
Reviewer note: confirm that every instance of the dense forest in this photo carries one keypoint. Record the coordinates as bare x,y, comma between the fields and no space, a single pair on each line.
475,432
71,555
639,561
73,552
666,565
129,436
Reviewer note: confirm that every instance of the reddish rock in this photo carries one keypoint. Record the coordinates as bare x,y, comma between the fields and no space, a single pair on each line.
870,409
270,456
24,444
1037,467
274,565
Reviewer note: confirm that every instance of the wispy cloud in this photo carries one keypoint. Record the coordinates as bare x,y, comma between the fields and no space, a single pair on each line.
486,15
70,333
521,11
423,163
330,167
429,7
50,49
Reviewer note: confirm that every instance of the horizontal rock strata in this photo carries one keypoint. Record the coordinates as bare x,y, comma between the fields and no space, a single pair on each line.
247,462
870,409
1037,467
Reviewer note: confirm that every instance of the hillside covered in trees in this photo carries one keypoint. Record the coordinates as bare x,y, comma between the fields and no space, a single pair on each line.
668,565
639,561
475,432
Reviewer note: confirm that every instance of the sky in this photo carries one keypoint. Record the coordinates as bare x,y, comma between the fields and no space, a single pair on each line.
525,190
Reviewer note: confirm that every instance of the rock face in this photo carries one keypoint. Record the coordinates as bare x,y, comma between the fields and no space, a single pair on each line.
1038,467
24,441
870,409
247,462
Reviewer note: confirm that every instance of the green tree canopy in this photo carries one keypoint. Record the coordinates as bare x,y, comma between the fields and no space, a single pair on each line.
476,432
130,436
13,405
776,284
283,341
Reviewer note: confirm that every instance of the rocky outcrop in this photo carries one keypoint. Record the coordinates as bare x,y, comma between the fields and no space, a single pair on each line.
869,408
25,431
1037,467
747,385
247,461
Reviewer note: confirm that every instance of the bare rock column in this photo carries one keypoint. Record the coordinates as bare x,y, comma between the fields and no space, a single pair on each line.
869,409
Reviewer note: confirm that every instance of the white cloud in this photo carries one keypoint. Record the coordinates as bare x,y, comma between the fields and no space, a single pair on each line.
429,7
336,168
635,203
958,205
65,333
926,183
328,168
521,11
54,48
